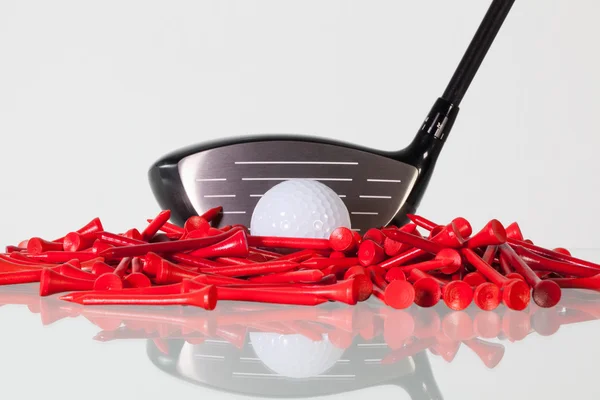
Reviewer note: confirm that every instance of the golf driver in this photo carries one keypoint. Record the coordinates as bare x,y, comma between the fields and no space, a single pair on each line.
378,187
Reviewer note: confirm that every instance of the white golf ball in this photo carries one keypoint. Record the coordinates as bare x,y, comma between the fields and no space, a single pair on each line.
299,208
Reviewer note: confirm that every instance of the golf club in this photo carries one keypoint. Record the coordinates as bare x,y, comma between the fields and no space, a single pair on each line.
378,187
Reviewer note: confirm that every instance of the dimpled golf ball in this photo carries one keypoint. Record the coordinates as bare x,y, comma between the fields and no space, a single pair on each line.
299,208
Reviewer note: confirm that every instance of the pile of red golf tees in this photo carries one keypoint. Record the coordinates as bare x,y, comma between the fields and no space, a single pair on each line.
198,265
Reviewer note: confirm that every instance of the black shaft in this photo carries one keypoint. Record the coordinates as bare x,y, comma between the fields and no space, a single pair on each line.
478,48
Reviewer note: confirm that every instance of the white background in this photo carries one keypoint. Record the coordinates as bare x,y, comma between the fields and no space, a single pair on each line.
91,93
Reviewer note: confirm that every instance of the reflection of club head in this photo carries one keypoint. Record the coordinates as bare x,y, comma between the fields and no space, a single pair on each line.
218,364
221,362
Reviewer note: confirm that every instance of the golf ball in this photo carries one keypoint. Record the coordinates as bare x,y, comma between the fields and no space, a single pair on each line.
299,208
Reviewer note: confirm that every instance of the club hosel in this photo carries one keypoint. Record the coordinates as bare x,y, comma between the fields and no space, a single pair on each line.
424,150
440,119
428,142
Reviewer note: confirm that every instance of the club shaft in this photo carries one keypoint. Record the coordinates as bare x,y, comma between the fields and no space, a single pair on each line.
477,50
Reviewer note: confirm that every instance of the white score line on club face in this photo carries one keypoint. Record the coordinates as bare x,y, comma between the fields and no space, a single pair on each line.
217,196
364,213
385,180
210,179
341,196
296,163
307,179
234,212
367,196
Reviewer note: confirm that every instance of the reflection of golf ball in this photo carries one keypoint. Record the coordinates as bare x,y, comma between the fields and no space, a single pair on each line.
299,208
295,356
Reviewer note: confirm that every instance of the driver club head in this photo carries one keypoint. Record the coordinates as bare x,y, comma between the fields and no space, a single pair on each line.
378,187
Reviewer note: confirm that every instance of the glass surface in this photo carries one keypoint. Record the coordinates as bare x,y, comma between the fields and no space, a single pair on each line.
330,351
